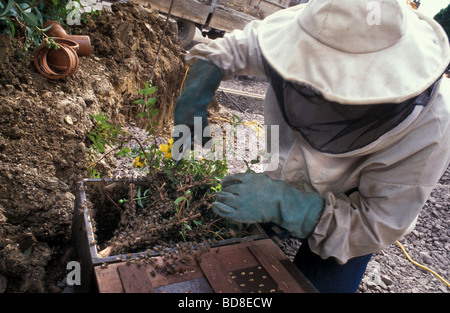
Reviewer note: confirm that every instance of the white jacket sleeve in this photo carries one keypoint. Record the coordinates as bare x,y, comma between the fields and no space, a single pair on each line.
393,185
236,53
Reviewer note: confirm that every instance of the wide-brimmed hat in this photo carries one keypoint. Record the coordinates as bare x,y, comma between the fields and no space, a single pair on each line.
356,51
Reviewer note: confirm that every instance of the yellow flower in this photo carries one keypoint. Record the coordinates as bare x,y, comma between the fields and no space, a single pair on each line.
167,148
164,148
137,163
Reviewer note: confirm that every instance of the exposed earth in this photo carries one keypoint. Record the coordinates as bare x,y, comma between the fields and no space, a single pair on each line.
43,127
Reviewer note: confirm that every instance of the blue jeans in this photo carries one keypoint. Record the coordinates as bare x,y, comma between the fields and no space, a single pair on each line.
327,275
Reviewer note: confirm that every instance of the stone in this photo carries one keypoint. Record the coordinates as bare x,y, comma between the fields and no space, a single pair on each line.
425,257
68,120
387,280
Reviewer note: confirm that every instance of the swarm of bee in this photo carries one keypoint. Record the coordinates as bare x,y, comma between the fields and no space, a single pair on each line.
172,260
127,221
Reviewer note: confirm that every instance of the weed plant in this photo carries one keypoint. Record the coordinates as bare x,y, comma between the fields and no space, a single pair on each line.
169,208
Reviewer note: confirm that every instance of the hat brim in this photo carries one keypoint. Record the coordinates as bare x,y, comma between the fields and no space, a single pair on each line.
392,75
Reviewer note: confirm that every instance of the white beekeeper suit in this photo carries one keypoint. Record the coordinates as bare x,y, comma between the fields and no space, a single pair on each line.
355,55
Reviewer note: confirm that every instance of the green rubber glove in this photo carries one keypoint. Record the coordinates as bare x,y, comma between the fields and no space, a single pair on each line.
256,198
199,87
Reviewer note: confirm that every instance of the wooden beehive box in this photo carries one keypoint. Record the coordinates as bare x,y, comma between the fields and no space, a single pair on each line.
85,241
248,267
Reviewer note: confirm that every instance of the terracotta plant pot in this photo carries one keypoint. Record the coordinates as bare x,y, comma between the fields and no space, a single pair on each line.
67,61
83,41
57,59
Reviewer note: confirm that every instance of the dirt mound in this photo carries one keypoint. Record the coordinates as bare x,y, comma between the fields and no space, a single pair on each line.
43,127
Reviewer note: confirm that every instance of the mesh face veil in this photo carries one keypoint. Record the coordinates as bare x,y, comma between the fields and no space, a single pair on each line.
336,128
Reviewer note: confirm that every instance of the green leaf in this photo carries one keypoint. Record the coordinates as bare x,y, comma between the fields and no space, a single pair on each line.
178,200
11,25
39,16
28,251
125,151
24,6
147,90
9,5
139,192
91,137
151,101
48,27
30,19
187,226
139,200
139,101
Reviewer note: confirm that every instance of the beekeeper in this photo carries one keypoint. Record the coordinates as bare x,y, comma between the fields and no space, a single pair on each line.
358,91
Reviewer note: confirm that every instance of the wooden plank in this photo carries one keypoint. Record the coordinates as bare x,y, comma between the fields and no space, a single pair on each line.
223,18
235,257
217,276
269,259
266,7
108,280
228,20
135,279
191,10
